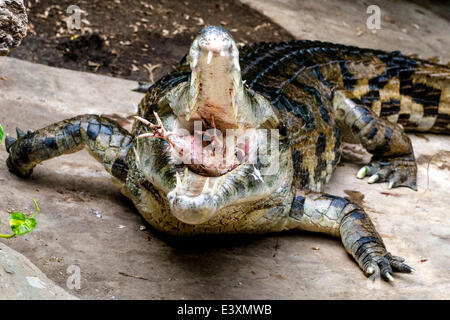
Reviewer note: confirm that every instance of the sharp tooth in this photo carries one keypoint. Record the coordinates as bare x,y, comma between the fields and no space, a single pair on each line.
193,78
185,177
194,62
206,186
215,186
233,104
236,65
210,55
136,154
222,53
179,185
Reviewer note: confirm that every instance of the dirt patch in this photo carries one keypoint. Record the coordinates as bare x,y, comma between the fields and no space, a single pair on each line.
390,194
440,159
423,159
355,196
133,39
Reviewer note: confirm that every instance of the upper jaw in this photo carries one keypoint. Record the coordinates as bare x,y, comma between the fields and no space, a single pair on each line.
216,86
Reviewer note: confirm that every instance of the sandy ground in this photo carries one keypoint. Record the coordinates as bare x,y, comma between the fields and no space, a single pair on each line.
119,261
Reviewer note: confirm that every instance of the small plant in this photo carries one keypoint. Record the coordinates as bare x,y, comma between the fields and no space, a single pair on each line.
18,222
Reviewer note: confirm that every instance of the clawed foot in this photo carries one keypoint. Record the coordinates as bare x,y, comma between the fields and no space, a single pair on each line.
158,131
377,265
398,171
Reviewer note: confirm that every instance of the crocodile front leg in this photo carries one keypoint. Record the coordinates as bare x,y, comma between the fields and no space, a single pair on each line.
393,158
341,218
105,140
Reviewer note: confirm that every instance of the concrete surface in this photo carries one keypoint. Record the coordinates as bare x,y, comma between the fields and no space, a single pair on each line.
118,260
21,279
404,25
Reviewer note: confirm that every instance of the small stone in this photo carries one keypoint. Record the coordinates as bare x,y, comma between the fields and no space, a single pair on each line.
359,31
142,228
97,213
121,226
316,248
8,269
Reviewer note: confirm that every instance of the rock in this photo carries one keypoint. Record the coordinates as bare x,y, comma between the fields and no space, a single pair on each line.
21,279
96,213
13,24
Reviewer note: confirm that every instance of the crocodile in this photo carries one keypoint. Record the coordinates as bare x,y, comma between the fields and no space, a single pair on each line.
243,140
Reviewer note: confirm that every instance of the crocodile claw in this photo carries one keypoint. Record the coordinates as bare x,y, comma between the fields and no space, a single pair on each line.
385,265
397,171
20,133
9,141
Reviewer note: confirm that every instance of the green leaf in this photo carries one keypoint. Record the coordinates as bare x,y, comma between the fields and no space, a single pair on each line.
19,223
1,134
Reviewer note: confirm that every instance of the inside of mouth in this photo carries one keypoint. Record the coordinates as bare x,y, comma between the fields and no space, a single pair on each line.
212,152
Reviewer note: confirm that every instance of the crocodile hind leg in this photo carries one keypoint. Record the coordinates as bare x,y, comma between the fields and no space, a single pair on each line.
105,140
393,158
341,218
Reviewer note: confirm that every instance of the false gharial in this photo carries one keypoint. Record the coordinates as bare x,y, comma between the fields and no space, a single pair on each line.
243,140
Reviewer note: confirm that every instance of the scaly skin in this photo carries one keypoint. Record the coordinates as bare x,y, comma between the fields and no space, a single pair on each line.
313,95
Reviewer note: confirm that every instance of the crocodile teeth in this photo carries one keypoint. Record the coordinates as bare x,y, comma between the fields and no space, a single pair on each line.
236,65
194,62
233,106
217,184
222,53
179,184
193,78
206,186
210,55
9,141
185,177
20,133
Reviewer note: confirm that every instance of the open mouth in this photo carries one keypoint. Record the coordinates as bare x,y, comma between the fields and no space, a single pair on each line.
208,137
203,148
209,158
212,134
